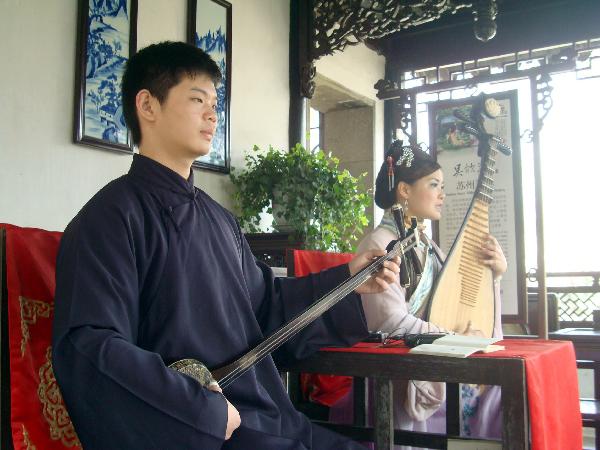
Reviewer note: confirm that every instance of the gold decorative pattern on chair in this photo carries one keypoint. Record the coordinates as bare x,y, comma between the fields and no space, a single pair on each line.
54,409
38,416
26,441
30,311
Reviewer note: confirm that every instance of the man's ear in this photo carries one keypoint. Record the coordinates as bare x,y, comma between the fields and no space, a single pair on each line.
146,105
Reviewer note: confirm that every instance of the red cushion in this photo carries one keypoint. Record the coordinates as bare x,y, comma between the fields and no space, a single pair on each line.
39,418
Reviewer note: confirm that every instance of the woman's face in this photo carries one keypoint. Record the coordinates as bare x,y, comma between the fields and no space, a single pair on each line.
426,196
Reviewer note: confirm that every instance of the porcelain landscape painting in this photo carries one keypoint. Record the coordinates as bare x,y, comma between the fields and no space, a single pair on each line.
106,40
210,29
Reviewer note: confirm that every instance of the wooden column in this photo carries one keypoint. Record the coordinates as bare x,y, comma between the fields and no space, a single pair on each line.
299,55
539,212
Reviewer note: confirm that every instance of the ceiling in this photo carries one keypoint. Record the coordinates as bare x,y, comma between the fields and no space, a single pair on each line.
330,96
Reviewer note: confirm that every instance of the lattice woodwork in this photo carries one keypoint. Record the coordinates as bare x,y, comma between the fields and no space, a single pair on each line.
584,55
577,307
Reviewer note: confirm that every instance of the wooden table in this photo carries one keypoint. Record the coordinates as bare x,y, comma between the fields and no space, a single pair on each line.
508,373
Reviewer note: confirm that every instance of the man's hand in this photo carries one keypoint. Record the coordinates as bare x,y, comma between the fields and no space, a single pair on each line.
233,415
379,281
233,419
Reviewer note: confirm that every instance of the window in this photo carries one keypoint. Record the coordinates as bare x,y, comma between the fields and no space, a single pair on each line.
314,132
570,154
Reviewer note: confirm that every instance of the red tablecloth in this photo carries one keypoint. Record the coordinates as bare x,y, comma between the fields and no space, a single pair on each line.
552,387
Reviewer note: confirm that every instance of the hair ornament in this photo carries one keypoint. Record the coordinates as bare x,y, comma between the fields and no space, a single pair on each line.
390,164
407,157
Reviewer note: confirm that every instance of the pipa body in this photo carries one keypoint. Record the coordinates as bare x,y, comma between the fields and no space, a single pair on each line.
464,289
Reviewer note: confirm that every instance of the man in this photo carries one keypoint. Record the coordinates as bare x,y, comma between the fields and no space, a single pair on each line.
152,271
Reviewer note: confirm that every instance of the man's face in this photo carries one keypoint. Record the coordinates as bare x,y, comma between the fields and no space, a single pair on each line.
187,119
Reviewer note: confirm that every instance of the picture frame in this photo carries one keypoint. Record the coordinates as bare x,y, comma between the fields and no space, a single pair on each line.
456,152
107,35
209,28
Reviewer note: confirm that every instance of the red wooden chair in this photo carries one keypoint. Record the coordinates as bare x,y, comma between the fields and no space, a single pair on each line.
317,388
32,412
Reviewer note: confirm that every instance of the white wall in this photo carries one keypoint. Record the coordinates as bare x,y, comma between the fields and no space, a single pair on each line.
358,68
44,178
348,134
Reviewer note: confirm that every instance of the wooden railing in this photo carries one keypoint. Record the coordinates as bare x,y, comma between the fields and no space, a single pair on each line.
578,295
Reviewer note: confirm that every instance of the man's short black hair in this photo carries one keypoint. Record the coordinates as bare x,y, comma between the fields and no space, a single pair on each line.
158,68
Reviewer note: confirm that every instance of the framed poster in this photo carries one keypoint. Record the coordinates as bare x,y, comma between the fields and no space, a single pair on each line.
456,151
106,39
209,28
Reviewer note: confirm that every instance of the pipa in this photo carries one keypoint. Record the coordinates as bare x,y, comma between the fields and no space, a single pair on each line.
464,290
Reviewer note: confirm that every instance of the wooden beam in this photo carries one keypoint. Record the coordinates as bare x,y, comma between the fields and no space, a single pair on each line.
553,24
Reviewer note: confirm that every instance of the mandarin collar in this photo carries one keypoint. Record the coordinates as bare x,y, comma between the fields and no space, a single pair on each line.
161,176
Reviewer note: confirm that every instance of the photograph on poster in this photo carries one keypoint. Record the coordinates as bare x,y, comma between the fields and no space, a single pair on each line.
449,135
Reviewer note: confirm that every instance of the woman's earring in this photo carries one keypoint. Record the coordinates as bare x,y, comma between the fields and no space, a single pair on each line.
407,222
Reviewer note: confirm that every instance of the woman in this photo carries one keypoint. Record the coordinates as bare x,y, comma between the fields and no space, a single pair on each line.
411,178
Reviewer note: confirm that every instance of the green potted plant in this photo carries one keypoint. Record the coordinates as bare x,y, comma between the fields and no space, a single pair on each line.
307,193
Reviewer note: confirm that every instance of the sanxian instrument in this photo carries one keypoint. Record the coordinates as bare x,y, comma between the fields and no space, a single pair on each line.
227,374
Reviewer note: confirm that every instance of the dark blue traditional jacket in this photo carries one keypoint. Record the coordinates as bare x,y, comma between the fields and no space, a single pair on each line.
152,270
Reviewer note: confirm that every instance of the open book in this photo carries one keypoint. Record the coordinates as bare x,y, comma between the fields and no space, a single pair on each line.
457,346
